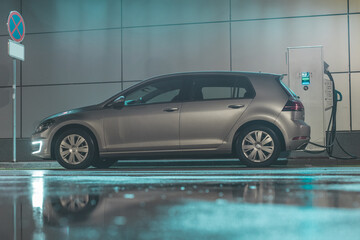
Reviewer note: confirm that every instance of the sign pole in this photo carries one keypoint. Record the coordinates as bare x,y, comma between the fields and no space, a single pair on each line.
16,28
14,111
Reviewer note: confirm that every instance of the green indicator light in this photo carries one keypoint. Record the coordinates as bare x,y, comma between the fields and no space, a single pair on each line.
305,78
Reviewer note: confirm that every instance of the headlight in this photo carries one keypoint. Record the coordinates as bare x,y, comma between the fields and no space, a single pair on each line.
44,125
36,146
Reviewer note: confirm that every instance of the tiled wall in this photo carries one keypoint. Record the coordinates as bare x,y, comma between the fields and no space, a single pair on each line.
81,52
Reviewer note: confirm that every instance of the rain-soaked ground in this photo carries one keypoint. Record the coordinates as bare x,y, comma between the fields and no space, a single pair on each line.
181,203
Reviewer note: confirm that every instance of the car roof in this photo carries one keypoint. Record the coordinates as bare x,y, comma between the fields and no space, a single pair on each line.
231,73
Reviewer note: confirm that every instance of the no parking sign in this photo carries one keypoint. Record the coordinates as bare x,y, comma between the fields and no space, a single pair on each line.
16,26
16,29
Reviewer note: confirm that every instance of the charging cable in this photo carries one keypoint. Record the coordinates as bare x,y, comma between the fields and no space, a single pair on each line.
331,129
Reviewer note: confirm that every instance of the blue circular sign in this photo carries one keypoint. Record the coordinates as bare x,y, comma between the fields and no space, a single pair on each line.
16,26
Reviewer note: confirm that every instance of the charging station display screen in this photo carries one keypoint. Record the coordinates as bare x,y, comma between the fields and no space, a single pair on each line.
305,78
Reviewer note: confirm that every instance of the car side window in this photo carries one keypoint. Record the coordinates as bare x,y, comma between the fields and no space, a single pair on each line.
161,91
222,87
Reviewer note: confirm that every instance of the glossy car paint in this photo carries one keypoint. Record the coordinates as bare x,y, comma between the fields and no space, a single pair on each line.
142,127
208,126
205,124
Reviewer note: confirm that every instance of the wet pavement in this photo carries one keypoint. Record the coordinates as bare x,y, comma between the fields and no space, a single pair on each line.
181,202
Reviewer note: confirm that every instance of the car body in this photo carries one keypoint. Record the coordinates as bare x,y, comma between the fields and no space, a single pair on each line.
253,116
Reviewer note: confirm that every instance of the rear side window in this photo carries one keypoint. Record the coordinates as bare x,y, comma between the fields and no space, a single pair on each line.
288,91
221,87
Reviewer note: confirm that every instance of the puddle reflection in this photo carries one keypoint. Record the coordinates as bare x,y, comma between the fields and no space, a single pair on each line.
222,210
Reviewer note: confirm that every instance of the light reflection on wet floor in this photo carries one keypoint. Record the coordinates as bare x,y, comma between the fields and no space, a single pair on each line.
305,203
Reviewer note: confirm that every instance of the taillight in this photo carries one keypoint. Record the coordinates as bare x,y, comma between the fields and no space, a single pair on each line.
293,105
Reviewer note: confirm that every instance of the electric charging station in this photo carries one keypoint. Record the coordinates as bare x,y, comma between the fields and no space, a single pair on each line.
307,79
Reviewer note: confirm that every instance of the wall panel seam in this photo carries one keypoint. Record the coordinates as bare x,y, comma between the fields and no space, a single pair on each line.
69,84
230,33
121,47
349,59
185,24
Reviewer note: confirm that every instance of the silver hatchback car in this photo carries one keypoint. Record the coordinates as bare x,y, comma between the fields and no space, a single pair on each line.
252,116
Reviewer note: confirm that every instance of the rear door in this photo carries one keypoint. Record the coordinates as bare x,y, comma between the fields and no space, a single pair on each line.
217,102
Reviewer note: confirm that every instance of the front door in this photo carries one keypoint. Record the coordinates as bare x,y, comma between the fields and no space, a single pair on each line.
149,121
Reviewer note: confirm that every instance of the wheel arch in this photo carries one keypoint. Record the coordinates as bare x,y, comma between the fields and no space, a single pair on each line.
261,123
68,127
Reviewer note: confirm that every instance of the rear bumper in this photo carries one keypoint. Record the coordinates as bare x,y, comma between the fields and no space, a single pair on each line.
299,137
295,131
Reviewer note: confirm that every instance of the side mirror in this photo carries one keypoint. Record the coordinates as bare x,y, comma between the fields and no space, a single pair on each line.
119,102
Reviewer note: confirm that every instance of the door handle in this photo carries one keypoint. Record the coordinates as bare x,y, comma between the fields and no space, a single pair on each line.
236,106
171,109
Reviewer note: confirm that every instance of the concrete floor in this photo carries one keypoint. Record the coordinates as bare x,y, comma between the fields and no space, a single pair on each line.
181,201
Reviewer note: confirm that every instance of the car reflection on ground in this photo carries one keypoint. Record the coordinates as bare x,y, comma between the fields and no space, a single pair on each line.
207,203
120,206
128,206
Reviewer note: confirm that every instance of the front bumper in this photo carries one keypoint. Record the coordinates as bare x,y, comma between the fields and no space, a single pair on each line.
40,147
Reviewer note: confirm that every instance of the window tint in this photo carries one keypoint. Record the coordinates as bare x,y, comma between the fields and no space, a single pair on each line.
161,91
165,97
288,91
222,87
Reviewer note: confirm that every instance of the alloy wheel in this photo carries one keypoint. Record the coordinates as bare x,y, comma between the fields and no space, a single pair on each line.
258,146
74,149
74,203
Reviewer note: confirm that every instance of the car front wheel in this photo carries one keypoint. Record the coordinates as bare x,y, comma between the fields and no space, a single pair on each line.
75,149
258,146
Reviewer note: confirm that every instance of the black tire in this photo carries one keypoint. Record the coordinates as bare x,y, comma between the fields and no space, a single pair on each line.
75,149
258,146
103,163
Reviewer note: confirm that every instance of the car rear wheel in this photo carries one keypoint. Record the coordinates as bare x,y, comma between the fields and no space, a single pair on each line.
258,146
75,149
